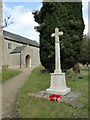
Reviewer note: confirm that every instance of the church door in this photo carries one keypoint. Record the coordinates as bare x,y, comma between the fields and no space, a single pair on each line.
27,59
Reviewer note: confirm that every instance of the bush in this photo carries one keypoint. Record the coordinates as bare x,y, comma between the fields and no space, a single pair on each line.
67,16
76,68
4,67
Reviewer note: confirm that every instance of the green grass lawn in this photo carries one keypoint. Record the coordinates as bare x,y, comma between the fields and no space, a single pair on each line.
9,73
31,107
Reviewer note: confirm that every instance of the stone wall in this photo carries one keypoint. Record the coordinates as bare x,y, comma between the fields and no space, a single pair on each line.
33,52
13,60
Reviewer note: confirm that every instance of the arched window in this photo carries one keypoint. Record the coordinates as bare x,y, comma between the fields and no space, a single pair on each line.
9,45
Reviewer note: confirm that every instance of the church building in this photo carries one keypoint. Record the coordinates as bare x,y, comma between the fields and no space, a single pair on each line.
20,52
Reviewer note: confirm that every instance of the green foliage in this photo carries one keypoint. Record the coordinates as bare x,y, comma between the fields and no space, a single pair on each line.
32,107
67,16
84,51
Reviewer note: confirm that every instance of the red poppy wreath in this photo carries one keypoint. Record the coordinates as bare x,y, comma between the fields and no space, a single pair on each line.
55,97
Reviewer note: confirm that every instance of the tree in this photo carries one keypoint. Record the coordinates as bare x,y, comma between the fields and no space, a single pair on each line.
7,21
84,50
67,16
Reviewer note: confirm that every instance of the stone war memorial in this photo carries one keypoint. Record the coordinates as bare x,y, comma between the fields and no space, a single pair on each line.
58,82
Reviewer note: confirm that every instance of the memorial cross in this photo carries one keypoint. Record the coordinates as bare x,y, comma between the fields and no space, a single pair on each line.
57,50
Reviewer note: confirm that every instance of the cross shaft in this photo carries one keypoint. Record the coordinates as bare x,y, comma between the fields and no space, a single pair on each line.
57,50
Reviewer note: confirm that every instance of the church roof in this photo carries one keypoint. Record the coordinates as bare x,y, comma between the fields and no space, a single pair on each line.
18,49
17,38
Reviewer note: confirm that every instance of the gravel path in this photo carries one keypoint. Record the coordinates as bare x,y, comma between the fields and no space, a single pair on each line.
10,90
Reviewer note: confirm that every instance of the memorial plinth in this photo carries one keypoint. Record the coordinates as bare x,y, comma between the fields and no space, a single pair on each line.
58,82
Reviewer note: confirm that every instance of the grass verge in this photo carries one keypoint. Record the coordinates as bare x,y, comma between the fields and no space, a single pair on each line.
31,107
9,73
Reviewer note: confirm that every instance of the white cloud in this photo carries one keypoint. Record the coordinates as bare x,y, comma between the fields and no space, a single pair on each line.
86,25
23,22
85,15
85,4
27,19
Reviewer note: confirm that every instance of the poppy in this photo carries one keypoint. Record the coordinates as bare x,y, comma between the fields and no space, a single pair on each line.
55,97
29,94
66,100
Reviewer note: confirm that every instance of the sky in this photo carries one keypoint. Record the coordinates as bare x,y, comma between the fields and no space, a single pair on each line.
23,20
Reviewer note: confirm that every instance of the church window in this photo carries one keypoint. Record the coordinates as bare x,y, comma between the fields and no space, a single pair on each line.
9,45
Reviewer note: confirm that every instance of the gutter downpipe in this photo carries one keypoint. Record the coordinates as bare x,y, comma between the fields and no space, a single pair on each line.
20,60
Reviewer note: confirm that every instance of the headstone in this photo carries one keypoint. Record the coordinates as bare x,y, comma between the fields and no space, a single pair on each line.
58,82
